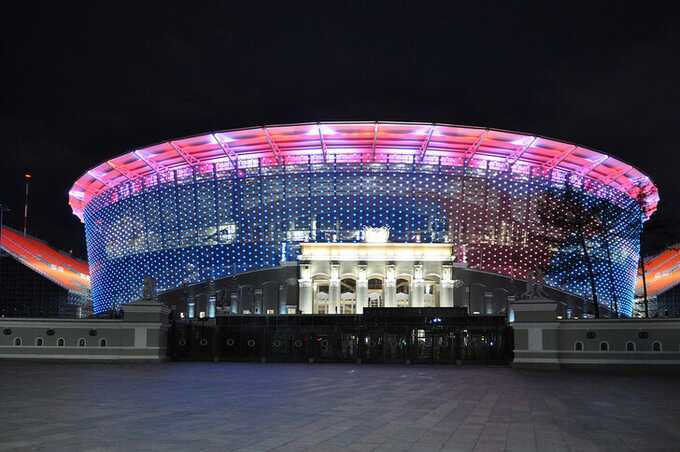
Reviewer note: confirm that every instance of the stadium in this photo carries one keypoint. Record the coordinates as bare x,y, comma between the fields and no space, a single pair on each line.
333,217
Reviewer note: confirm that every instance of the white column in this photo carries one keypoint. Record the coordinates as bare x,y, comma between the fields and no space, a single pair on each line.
390,286
212,299
446,290
211,307
334,289
362,288
417,286
305,287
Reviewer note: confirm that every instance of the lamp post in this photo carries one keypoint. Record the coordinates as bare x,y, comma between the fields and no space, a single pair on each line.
27,179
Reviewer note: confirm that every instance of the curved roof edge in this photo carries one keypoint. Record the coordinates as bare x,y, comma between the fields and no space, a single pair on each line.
368,142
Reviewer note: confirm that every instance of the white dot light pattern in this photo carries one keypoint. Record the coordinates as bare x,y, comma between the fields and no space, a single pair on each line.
210,221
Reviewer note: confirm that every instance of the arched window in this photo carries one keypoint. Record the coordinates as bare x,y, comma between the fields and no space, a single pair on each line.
630,346
61,342
39,342
102,342
402,286
578,346
17,342
657,346
375,284
604,346
375,295
82,342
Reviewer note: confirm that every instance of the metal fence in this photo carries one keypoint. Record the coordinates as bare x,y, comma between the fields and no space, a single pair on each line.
381,335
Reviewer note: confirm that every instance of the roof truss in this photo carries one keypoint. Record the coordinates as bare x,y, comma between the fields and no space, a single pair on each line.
587,169
511,159
611,177
124,172
553,162
272,144
472,150
231,155
426,143
375,141
324,149
190,159
156,167
100,179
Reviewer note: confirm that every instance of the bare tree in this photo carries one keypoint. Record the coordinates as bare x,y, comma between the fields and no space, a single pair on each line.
569,220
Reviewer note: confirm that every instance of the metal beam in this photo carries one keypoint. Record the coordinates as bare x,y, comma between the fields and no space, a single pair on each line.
472,150
616,174
156,167
587,169
85,189
553,162
375,141
100,179
423,147
274,147
231,155
511,159
129,175
190,159
323,142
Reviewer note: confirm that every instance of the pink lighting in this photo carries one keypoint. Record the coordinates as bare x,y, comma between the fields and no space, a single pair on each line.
225,138
524,141
368,142
318,128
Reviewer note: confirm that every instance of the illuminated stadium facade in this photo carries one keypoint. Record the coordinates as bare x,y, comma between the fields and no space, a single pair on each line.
221,204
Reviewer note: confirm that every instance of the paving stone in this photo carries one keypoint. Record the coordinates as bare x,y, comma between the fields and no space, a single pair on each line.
296,407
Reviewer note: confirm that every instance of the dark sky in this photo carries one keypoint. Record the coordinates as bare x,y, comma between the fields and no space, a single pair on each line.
82,83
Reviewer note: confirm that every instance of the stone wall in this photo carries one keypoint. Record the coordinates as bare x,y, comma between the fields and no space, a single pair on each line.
542,341
141,335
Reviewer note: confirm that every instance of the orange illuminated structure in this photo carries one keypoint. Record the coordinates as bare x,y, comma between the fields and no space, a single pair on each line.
663,278
63,270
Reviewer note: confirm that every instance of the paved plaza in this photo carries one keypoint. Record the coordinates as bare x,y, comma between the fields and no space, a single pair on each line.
294,407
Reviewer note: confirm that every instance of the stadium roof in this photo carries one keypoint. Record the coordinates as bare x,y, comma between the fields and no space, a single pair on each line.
368,142
662,272
62,269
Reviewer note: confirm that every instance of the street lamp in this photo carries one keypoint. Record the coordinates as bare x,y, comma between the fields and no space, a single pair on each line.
27,179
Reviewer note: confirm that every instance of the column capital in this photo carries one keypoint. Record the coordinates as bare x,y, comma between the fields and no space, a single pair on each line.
305,271
447,272
418,272
390,274
362,273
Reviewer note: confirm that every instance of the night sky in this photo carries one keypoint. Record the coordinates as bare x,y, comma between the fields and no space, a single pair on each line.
83,83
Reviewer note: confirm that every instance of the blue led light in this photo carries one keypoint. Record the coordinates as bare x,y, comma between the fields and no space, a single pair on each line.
192,225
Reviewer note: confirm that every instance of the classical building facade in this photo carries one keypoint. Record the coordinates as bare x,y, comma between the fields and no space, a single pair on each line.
345,278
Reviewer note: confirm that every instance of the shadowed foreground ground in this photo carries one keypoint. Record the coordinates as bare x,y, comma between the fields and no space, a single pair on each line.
228,406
